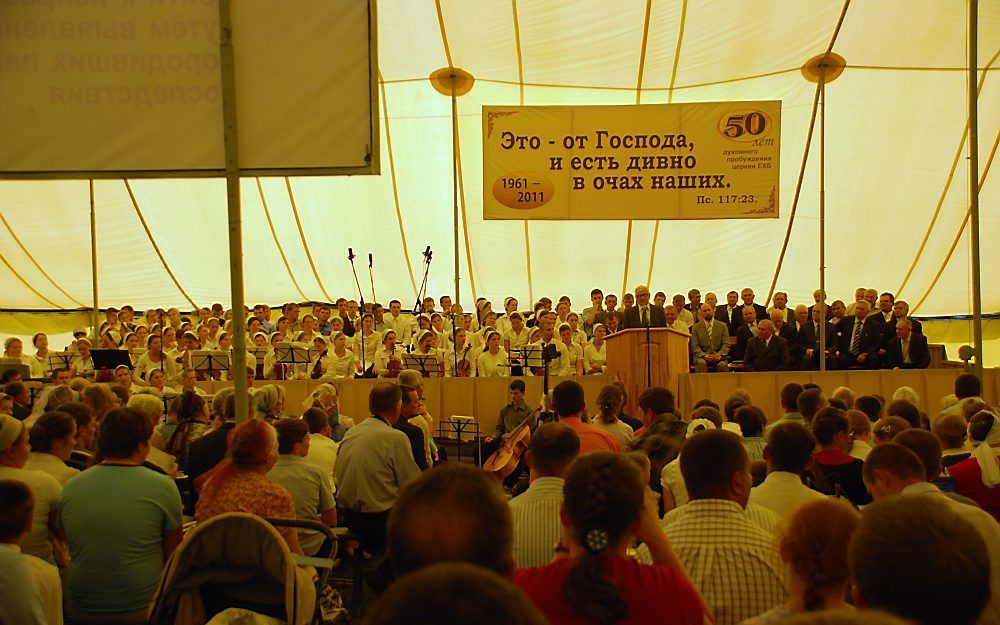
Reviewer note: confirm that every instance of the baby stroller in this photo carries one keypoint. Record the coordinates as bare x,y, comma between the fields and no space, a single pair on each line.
237,560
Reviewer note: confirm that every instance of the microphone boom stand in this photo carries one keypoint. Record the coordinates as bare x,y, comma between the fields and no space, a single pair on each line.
350,257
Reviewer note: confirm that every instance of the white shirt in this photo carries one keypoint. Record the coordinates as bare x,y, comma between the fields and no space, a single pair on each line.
465,354
594,357
145,365
685,316
47,492
399,325
373,462
622,431
372,343
47,463
339,367
492,365
323,453
537,528
783,493
49,587
517,339
382,358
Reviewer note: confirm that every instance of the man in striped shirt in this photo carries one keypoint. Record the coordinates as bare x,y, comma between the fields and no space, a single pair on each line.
537,527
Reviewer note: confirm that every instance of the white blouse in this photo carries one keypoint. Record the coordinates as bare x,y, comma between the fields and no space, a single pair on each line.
517,339
340,367
465,355
492,365
594,357
373,342
382,357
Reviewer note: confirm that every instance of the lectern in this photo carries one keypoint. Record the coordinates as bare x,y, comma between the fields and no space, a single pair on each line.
626,355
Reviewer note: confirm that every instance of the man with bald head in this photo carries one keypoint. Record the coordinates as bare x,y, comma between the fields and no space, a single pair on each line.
709,342
858,339
766,351
644,314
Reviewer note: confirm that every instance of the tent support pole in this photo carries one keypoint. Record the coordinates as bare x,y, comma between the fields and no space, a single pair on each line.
227,63
94,314
977,296
822,216
454,184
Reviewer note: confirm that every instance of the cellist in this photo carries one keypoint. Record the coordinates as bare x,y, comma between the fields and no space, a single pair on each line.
511,415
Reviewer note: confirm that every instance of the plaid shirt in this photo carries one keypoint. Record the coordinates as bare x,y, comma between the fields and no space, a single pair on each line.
730,558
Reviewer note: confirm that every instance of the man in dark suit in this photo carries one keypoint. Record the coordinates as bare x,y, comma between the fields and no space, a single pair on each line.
858,339
900,310
729,313
766,352
411,402
744,332
644,314
747,296
210,449
908,350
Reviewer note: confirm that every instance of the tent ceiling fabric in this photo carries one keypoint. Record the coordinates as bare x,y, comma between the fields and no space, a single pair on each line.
895,119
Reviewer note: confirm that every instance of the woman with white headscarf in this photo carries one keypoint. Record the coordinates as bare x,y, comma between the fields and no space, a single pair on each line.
325,398
493,362
41,343
13,347
595,353
978,477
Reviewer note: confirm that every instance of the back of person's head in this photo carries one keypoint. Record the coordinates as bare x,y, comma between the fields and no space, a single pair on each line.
790,446
50,427
707,412
121,433
657,399
886,429
290,431
608,400
81,413
895,459
980,425
790,396
973,406
968,385
219,403
829,422
815,546
926,446
16,507
453,512
454,593
870,405
810,402
254,443
553,446
906,557
951,429
187,406
743,394
907,393
731,405
833,402
751,420
905,410
860,424
603,496
383,398
316,419
809,385
98,397
845,395
149,405
705,402
568,398
709,461
409,377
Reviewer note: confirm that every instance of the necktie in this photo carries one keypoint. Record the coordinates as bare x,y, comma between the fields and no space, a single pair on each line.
645,317
856,339
906,350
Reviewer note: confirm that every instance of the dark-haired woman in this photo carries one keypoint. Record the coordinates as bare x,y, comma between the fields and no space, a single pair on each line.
815,549
604,507
187,421
52,439
122,521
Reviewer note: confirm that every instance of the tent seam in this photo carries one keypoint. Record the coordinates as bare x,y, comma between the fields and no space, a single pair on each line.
444,35
25,282
152,241
302,236
277,243
37,265
520,88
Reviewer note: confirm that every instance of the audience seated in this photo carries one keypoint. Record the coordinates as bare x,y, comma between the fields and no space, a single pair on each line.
967,387
569,404
536,511
788,454
52,439
415,435
322,448
609,400
945,580
604,506
151,407
834,471
121,521
732,560
815,549
45,489
308,485
454,593
809,402
861,434
187,421
886,429
789,398
209,450
240,483
952,431
751,420
978,477
30,588
671,480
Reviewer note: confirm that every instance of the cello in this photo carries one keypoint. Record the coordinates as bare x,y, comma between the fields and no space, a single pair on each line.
504,460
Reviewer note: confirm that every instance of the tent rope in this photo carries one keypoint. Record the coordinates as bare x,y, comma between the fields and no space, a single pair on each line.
302,237
961,229
520,90
395,186
277,242
26,284
805,160
38,266
947,186
152,241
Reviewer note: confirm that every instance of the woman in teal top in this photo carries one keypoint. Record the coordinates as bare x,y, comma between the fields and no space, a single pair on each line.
122,521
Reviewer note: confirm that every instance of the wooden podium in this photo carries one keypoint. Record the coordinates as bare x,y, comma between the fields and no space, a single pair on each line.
668,357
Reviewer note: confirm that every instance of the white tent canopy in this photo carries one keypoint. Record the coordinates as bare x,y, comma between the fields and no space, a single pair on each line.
895,160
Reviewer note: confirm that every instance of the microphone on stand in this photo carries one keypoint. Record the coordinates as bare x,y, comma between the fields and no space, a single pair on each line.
350,254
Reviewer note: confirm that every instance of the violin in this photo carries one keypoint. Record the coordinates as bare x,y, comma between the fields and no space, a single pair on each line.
464,369
394,366
503,462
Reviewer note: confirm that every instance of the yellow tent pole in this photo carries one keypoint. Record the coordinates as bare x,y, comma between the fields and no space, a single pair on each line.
977,294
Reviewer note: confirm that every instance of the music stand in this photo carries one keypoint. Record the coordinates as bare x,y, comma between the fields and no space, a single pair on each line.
61,360
427,364
460,426
259,353
209,360
525,357
110,359
15,365
294,353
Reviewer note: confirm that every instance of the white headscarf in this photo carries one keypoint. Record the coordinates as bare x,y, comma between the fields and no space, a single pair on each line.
986,455
697,425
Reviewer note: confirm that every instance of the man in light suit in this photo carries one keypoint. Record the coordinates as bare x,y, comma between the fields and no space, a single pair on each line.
644,314
709,342
766,351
